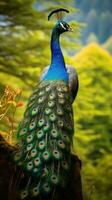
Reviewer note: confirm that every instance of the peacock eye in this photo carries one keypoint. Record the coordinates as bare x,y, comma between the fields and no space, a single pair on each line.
62,25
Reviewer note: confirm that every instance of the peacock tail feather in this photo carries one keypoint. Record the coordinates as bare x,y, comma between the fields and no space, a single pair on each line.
45,139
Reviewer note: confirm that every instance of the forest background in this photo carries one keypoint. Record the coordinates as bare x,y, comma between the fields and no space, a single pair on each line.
24,52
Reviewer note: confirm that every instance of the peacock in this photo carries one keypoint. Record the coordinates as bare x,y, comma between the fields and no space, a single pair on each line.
45,134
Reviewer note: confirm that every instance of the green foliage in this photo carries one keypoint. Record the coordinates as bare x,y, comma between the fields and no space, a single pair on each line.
97,179
108,45
93,120
9,102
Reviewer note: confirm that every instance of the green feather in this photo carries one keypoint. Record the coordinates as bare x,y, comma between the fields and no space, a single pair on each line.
22,132
54,133
46,187
35,191
52,117
37,162
60,95
40,134
60,123
41,122
36,172
54,179
46,127
66,138
29,166
42,145
45,136
51,104
48,88
32,125
33,152
48,111
61,101
64,164
41,93
17,156
57,154
41,100
29,147
30,138
52,96
30,104
46,155
23,194
33,97
61,144
60,111
34,111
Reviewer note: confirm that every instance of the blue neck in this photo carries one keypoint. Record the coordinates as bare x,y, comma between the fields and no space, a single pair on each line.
57,70
56,53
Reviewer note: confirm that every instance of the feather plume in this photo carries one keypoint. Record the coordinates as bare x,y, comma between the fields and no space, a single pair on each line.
58,13
45,136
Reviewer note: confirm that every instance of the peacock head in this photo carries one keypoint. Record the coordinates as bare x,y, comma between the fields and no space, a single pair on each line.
61,26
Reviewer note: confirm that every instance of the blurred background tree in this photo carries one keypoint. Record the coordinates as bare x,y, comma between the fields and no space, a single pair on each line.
97,15
24,52
93,107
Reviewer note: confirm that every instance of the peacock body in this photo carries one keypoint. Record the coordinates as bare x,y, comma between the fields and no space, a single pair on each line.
45,134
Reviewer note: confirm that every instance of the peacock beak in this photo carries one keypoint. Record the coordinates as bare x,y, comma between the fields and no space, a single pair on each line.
70,29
